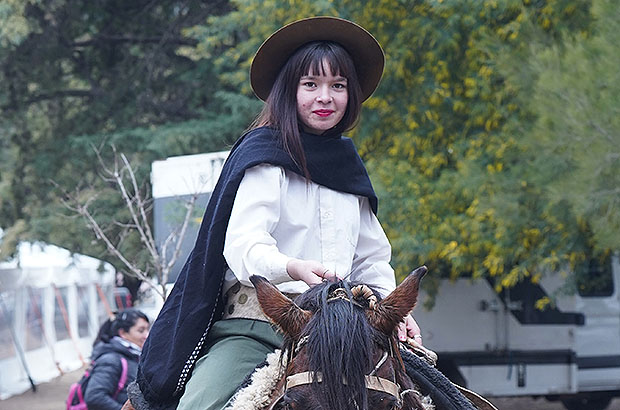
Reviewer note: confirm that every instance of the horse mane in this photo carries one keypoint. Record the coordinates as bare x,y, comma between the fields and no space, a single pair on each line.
339,345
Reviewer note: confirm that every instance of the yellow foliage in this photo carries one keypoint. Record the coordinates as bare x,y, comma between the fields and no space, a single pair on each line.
435,99
511,279
459,106
494,264
438,133
412,125
542,303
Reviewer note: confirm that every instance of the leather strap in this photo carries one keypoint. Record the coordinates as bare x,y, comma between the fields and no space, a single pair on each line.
123,378
372,382
480,402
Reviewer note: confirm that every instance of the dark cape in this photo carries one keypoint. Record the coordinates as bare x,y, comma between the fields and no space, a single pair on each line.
177,336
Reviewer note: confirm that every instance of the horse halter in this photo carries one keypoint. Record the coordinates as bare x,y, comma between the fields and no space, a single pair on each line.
373,382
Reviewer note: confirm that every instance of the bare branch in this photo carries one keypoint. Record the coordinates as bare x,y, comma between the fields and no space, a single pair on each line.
145,238
124,225
120,174
141,204
92,223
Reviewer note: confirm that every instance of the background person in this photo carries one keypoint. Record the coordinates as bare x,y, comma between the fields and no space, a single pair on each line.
122,336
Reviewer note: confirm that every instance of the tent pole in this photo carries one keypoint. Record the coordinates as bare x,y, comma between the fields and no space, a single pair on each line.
37,313
18,345
63,310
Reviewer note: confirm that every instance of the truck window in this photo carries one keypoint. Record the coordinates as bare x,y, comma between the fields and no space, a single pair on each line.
597,279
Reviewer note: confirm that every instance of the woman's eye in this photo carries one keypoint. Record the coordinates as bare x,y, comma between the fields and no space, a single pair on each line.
340,86
309,84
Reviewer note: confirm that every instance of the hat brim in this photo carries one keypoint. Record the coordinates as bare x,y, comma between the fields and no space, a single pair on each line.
363,48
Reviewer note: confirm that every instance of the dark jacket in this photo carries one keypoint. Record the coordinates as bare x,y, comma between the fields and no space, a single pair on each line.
106,373
176,338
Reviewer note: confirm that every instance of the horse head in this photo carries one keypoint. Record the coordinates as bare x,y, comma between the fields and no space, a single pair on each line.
341,344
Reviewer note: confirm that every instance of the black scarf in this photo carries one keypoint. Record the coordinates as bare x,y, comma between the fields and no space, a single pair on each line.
177,336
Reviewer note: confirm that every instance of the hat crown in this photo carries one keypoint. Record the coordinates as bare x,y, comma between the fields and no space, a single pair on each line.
364,49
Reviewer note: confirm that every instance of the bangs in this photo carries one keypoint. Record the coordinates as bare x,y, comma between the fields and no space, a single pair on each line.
321,56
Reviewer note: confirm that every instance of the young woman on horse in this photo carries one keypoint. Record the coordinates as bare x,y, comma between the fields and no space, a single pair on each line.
293,204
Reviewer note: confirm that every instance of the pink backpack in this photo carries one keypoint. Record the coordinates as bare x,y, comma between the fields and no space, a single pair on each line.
75,401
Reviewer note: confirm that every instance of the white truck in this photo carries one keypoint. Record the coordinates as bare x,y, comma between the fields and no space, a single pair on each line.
501,345
495,344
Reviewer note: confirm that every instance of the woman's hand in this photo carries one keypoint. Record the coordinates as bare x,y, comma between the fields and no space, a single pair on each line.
311,272
409,328
127,406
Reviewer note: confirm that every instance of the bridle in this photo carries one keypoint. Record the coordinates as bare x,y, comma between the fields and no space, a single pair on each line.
372,381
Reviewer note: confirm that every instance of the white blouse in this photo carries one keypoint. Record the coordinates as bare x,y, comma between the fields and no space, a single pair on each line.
277,215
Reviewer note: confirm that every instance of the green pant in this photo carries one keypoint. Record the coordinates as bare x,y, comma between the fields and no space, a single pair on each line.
234,348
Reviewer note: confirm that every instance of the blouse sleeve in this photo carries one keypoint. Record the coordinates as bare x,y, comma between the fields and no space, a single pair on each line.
371,262
249,247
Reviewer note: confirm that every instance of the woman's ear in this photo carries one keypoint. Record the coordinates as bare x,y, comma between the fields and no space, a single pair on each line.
122,333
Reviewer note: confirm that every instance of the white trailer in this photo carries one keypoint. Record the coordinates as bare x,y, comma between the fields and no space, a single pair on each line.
501,345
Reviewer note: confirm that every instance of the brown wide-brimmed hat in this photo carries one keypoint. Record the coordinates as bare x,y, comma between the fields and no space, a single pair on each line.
363,48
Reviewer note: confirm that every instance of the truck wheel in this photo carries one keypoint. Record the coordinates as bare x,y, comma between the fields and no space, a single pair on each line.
584,402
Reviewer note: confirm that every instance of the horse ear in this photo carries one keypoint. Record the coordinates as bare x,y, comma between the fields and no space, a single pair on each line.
390,311
280,309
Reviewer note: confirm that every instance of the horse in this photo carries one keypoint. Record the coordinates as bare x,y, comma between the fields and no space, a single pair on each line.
341,352
341,348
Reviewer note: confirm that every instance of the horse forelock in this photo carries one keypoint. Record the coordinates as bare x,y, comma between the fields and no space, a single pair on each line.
340,346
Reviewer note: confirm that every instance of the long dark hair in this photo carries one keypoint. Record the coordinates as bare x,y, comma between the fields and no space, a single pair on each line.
280,109
123,319
340,345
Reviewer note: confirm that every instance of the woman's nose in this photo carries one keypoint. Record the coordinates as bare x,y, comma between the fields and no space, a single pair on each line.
324,95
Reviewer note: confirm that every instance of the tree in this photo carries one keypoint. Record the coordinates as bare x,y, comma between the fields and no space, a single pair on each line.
442,135
78,75
577,132
445,141
161,257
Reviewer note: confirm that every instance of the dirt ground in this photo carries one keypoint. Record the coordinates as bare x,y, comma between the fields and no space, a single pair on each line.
49,396
52,396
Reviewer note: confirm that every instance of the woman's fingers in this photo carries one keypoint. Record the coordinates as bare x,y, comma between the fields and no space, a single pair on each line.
409,328
310,271
324,273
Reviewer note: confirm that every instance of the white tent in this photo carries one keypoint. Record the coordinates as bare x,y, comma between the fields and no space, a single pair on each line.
51,305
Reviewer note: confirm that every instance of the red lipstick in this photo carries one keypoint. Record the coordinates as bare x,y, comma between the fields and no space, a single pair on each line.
323,113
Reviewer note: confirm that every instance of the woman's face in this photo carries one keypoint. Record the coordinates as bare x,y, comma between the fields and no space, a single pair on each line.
137,333
321,100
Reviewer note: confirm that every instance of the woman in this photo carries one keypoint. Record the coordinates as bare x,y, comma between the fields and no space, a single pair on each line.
293,203
120,337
